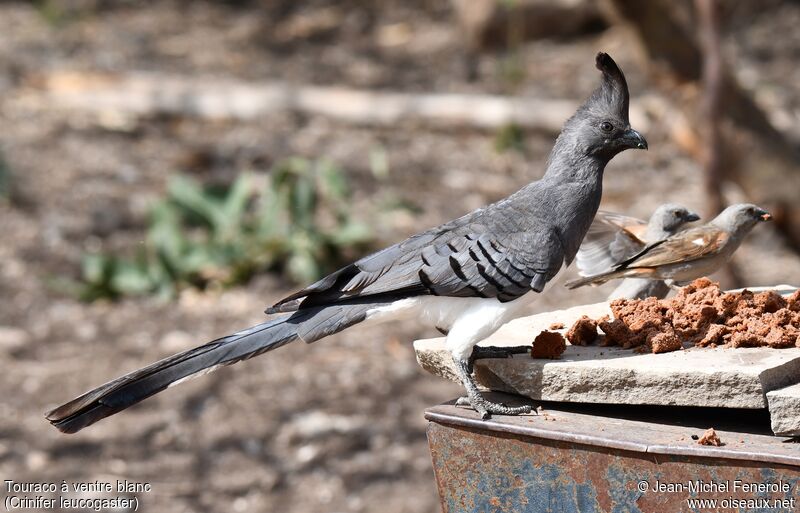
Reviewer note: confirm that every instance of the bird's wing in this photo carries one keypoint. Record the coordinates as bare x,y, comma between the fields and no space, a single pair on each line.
611,239
688,245
459,259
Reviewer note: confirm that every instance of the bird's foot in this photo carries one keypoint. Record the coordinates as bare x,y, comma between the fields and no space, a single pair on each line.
486,408
484,352
474,398
673,286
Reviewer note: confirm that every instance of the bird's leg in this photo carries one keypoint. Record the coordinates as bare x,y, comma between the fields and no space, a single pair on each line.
674,286
484,407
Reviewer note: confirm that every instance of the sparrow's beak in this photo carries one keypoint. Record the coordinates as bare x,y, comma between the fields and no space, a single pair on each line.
633,139
764,215
691,216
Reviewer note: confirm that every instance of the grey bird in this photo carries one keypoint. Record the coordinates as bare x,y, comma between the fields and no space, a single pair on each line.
466,277
614,237
689,254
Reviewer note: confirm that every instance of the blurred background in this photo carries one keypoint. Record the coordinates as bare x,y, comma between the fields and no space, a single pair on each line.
168,169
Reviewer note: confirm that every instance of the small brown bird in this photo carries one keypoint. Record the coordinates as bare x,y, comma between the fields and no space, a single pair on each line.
689,254
614,237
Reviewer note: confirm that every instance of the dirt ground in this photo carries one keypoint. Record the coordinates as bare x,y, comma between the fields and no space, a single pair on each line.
335,426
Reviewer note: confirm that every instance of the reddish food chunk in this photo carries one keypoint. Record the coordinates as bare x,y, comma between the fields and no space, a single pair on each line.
699,314
548,344
710,437
583,332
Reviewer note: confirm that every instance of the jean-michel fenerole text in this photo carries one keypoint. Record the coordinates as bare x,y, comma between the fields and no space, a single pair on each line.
733,486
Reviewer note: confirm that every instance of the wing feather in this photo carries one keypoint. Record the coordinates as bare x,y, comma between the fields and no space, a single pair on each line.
688,245
611,239
460,261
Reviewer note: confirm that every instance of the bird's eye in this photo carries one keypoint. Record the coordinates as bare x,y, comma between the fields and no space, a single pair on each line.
605,126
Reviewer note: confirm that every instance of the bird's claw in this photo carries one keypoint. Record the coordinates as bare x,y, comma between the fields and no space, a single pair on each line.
474,399
486,408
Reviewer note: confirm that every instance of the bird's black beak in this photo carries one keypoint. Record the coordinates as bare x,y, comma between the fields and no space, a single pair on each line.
764,216
633,139
691,216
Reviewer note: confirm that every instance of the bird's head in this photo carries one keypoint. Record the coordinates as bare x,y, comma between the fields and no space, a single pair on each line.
601,124
741,218
670,217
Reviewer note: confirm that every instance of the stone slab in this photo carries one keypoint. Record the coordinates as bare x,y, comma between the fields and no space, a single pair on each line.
719,377
784,410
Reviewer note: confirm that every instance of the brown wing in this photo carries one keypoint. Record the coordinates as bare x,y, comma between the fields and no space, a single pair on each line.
630,224
611,239
635,231
685,246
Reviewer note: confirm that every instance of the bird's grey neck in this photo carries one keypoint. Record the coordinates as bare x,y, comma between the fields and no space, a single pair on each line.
655,232
736,231
568,163
578,178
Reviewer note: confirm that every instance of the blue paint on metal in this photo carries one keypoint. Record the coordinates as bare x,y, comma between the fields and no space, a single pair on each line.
482,472
527,488
768,475
623,496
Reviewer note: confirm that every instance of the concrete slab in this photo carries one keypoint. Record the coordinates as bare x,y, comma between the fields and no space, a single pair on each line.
719,377
784,410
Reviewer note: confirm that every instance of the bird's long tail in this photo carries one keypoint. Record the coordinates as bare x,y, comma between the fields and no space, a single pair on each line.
308,325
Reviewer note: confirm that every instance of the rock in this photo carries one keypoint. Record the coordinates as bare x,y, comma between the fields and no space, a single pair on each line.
784,410
719,377
318,424
176,341
12,338
36,460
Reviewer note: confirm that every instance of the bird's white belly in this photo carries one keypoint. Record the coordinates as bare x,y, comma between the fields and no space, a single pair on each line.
441,311
467,320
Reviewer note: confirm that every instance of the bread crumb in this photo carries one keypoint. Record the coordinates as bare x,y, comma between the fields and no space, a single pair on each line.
556,326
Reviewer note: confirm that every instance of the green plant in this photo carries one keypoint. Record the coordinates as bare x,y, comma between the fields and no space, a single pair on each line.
298,220
55,13
509,137
511,65
6,186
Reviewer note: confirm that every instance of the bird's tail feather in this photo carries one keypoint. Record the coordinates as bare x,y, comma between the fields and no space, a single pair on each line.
123,392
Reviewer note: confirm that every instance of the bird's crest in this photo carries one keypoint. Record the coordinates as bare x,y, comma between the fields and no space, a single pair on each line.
613,91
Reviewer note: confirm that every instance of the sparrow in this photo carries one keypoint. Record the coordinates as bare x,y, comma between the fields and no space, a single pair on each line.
614,237
466,277
689,254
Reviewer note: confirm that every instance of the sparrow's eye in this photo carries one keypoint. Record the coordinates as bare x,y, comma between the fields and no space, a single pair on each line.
605,126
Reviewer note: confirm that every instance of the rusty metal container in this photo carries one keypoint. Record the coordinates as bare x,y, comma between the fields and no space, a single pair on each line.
599,458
